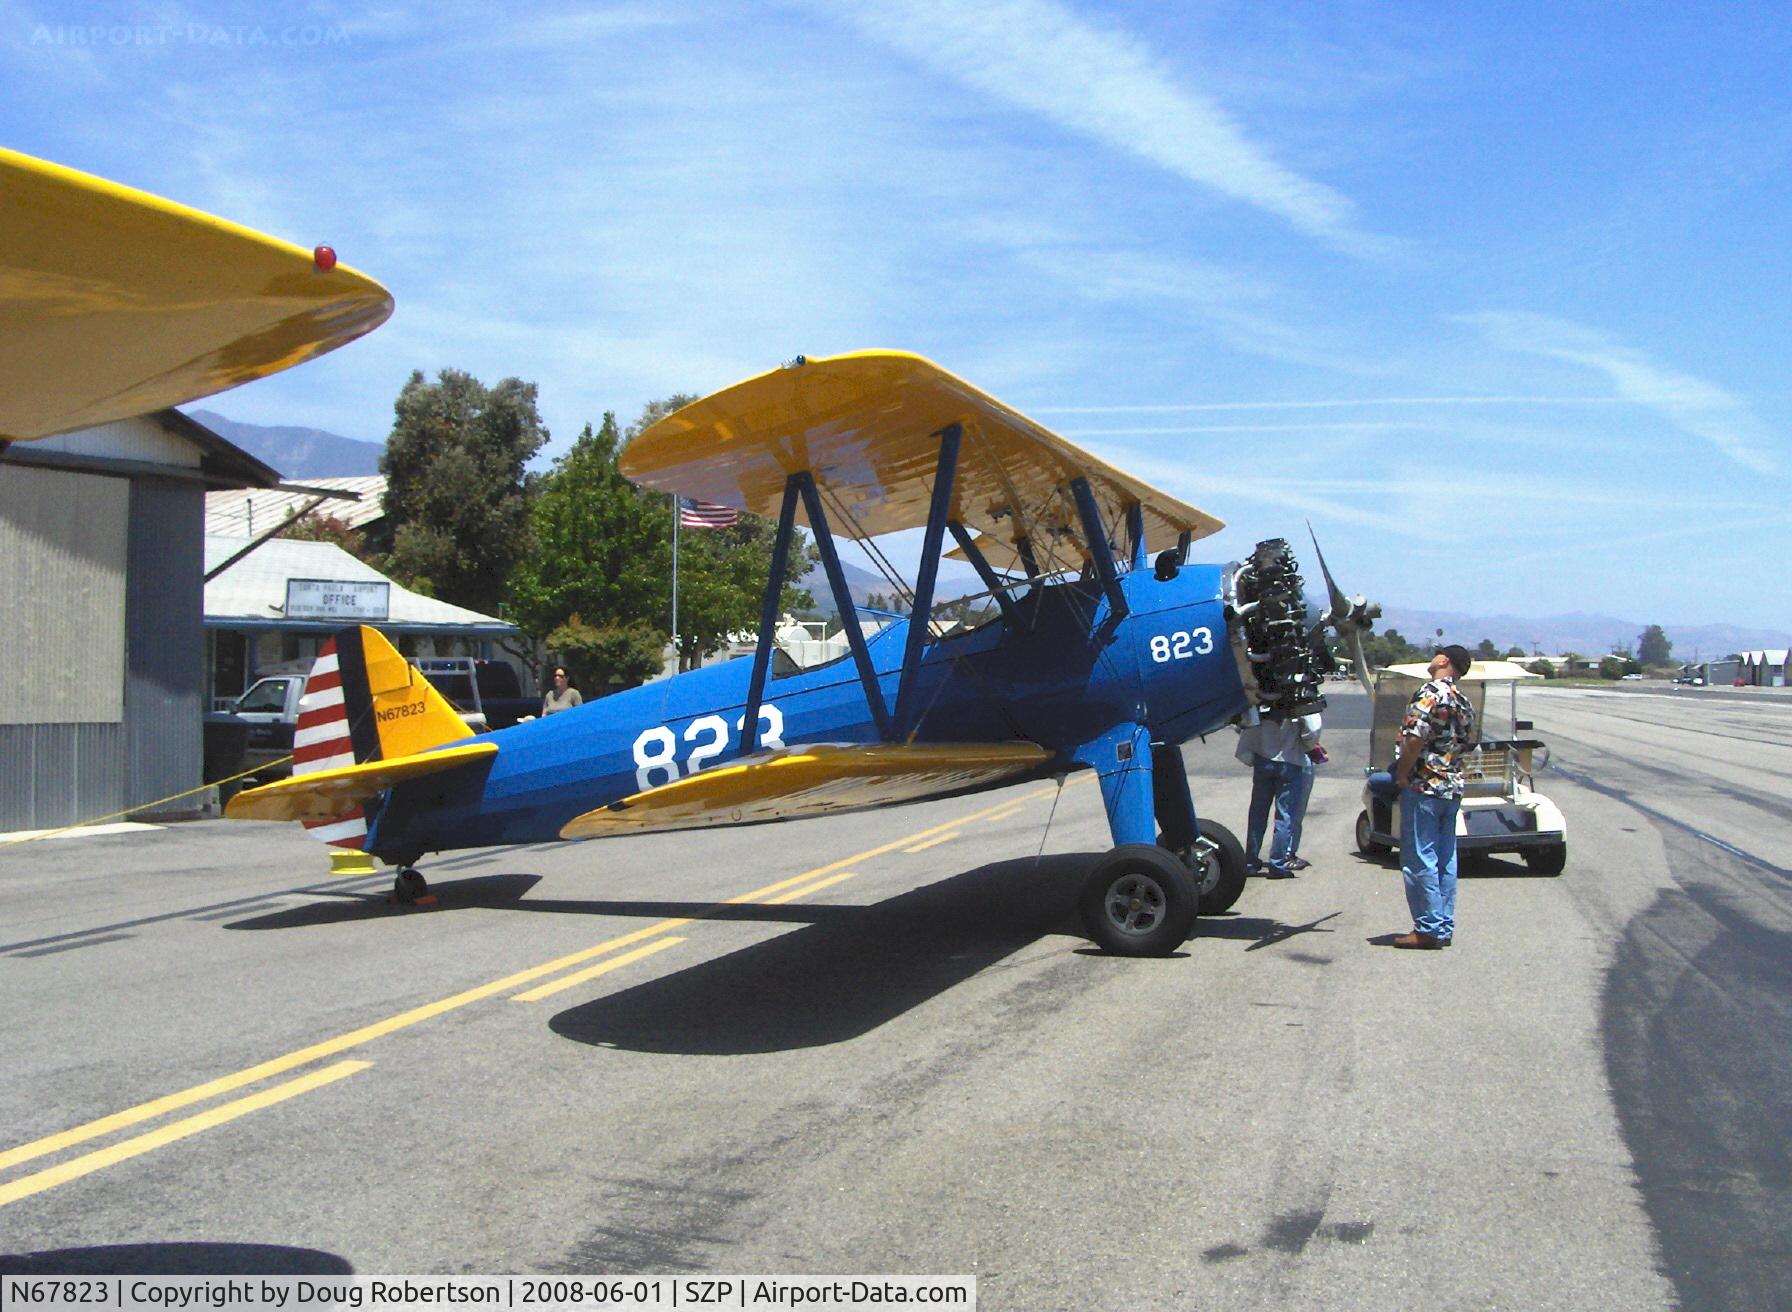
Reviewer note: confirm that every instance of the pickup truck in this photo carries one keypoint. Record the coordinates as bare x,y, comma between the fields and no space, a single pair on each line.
486,693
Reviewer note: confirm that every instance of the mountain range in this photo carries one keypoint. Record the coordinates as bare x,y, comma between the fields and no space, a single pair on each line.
300,453
1589,635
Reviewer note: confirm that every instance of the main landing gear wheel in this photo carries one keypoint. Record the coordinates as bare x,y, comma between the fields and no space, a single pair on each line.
1215,864
1365,842
409,887
1139,901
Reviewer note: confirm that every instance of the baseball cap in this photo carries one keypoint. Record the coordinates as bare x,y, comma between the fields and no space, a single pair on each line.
1459,657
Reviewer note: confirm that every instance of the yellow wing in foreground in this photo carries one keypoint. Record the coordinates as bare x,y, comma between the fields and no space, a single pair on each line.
116,303
328,793
814,779
863,424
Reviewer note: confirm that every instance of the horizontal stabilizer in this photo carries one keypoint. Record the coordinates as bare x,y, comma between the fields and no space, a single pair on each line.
813,779
328,793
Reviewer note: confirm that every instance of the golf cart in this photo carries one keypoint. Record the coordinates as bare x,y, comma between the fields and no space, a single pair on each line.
1501,809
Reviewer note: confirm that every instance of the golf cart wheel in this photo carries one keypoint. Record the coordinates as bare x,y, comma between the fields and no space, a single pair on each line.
1549,860
1139,901
1216,865
1365,837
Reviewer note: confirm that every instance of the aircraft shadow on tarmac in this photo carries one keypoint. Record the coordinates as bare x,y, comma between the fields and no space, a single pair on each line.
208,1259
845,975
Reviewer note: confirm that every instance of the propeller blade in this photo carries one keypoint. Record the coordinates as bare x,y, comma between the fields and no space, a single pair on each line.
1361,662
1340,604
1349,616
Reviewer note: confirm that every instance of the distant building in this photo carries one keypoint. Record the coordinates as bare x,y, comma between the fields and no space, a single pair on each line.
248,512
272,610
102,645
1763,669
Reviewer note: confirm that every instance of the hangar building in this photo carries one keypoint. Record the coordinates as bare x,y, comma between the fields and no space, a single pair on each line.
102,644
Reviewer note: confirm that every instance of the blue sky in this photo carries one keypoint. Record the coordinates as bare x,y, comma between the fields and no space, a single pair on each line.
1494,295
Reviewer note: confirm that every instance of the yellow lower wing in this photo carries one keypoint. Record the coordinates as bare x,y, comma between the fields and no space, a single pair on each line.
116,303
328,793
813,779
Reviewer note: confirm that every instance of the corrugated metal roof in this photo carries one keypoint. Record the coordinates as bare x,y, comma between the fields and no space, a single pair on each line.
254,589
246,512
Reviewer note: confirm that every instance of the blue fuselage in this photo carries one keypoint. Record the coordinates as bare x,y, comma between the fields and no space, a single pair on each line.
1059,674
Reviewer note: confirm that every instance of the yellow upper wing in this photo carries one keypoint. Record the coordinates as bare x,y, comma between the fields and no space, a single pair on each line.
326,794
813,779
115,303
863,423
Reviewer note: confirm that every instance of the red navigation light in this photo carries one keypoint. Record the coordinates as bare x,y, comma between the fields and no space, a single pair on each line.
325,258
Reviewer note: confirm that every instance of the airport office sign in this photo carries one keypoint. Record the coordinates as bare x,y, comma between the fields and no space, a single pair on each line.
334,599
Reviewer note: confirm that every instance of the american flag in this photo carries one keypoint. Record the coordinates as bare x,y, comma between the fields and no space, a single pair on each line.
693,513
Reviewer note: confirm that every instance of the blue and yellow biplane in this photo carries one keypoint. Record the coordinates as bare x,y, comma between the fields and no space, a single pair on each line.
1109,647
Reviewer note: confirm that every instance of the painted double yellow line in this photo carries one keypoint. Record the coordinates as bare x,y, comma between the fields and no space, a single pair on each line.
653,938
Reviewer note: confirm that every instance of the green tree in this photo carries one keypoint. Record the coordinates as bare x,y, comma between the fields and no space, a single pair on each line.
457,512
600,547
1543,667
1389,648
1516,652
1653,646
609,657
722,572
1486,651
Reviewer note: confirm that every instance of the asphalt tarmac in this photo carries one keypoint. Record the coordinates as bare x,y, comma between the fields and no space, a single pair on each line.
880,1043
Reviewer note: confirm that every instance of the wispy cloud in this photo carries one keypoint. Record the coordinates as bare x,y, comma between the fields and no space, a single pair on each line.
1104,83
1698,408
1355,403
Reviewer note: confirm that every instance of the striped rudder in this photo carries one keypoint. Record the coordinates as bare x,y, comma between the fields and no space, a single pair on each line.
322,741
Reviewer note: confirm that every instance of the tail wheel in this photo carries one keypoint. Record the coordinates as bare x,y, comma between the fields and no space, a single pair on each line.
1216,865
1139,901
409,886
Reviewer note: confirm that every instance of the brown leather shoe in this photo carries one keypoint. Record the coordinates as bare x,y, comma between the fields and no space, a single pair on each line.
1417,940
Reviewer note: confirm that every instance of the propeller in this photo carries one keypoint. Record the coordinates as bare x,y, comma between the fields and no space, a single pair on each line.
1351,617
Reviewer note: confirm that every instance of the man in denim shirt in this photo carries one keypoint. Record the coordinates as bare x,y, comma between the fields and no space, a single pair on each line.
1437,732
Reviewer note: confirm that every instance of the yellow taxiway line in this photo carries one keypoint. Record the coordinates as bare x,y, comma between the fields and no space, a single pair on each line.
198,1093
592,972
99,1159
932,842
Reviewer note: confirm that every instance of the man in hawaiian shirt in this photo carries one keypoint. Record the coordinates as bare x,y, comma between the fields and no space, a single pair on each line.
1438,730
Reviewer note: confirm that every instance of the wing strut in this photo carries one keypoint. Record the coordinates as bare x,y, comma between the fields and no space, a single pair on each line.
1135,533
980,563
768,620
849,615
907,694
1099,548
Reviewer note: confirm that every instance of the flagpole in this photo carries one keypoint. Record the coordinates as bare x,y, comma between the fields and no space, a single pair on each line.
677,514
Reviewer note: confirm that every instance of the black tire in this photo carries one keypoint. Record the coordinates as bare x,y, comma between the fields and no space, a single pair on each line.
409,887
1139,901
1365,840
1215,865
1551,860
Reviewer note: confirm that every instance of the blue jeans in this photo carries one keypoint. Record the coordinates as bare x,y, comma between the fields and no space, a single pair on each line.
1287,787
1428,861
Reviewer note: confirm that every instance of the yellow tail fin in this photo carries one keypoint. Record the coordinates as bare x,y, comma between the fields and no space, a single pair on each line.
392,709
